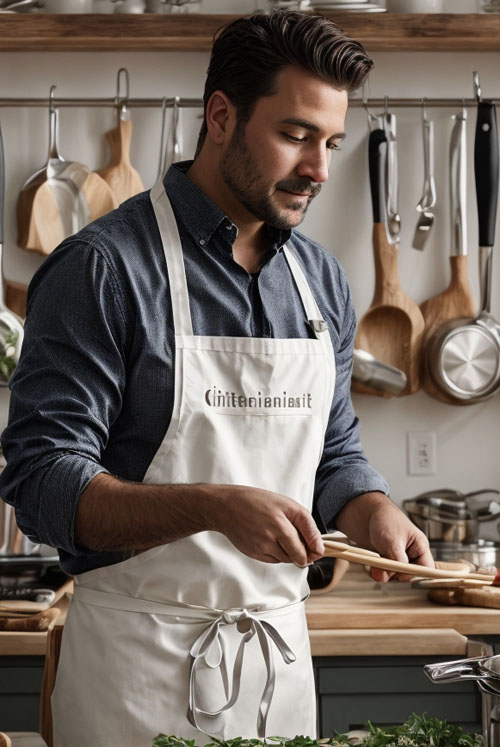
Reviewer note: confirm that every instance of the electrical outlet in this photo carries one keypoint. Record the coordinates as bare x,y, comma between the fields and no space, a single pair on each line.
421,453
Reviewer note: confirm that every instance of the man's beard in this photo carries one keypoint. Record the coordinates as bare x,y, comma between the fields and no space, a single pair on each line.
240,172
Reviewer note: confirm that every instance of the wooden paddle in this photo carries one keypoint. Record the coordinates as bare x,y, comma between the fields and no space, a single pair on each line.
457,300
40,228
121,176
392,328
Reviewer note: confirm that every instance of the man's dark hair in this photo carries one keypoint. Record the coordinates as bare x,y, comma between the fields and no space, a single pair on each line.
248,54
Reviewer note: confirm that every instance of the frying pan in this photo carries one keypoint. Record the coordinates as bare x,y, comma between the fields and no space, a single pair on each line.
463,356
11,326
392,328
456,301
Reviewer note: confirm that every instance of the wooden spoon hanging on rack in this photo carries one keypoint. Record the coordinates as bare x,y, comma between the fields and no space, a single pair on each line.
121,176
392,328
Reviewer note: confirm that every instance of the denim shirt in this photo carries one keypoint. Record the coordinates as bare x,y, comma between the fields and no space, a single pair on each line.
93,390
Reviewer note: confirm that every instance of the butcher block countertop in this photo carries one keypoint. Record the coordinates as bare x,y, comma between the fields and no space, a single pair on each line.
363,618
358,618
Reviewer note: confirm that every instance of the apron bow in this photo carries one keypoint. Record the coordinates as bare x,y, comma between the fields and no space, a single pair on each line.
208,649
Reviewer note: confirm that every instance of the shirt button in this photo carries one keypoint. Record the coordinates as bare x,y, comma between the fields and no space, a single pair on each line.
202,242
229,226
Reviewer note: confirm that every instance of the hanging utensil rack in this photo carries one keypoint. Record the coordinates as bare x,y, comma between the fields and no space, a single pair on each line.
193,103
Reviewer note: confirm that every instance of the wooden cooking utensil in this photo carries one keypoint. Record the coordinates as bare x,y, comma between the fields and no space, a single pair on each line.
39,218
487,596
373,559
457,300
15,297
392,328
121,176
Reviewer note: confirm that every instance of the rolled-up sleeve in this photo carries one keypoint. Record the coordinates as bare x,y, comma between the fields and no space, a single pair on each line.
66,391
343,472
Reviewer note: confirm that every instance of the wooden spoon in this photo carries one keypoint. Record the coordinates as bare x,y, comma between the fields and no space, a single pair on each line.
457,300
392,328
121,176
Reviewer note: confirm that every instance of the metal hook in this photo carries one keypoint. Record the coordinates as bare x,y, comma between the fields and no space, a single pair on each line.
372,118
476,86
175,129
162,139
424,111
51,99
122,101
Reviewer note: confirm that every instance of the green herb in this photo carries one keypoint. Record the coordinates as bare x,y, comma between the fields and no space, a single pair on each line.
7,355
421,731
418,731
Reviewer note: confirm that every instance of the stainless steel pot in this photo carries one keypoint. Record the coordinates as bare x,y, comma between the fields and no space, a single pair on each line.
486,670
483,553
12,541
450,516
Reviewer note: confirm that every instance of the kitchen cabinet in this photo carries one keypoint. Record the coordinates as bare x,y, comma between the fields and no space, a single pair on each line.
186,32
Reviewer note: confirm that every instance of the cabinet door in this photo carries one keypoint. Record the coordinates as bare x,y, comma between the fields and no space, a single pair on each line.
20,685
386,691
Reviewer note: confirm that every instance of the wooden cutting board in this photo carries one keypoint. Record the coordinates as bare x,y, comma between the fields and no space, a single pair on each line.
487,596
121,176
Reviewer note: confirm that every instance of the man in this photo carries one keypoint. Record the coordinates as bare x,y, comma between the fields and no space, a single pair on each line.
182,406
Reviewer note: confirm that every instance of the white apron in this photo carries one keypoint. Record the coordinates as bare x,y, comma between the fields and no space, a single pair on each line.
193,637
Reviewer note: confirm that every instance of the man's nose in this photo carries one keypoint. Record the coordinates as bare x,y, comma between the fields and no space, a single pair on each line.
315,165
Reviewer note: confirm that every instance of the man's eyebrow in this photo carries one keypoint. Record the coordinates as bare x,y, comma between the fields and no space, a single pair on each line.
310,126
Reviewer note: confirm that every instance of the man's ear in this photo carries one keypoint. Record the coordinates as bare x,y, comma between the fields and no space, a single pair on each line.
220,117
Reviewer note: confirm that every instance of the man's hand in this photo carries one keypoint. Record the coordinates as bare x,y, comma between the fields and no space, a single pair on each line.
267,526
373,521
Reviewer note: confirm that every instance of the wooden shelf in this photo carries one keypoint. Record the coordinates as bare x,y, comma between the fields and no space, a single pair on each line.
194,33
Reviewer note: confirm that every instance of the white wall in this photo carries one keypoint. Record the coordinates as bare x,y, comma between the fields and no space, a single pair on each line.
467,437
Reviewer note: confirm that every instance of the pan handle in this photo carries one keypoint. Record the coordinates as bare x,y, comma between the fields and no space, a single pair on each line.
458,185
377,158
486,170
453,671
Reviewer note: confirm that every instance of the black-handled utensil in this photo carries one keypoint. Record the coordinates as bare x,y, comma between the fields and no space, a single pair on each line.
486,169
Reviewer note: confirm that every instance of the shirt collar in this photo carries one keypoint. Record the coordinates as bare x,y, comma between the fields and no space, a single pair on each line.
201,217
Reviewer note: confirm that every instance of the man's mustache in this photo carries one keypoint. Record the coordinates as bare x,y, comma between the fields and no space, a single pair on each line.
302,186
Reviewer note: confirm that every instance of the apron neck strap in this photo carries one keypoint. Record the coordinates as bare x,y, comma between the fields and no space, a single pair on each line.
313,314
172,248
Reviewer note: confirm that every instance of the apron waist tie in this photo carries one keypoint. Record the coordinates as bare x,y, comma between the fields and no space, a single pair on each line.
208,648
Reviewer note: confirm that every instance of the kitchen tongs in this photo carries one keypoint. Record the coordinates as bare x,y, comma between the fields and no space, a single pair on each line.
335,549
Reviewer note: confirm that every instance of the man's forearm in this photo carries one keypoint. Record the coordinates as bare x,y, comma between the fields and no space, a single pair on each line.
114,515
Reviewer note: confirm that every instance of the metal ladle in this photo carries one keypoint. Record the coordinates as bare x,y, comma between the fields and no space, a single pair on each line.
11,326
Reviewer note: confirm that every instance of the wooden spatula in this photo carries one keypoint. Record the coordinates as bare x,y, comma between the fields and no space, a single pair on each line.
392,328
457,300
368,557
121,176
